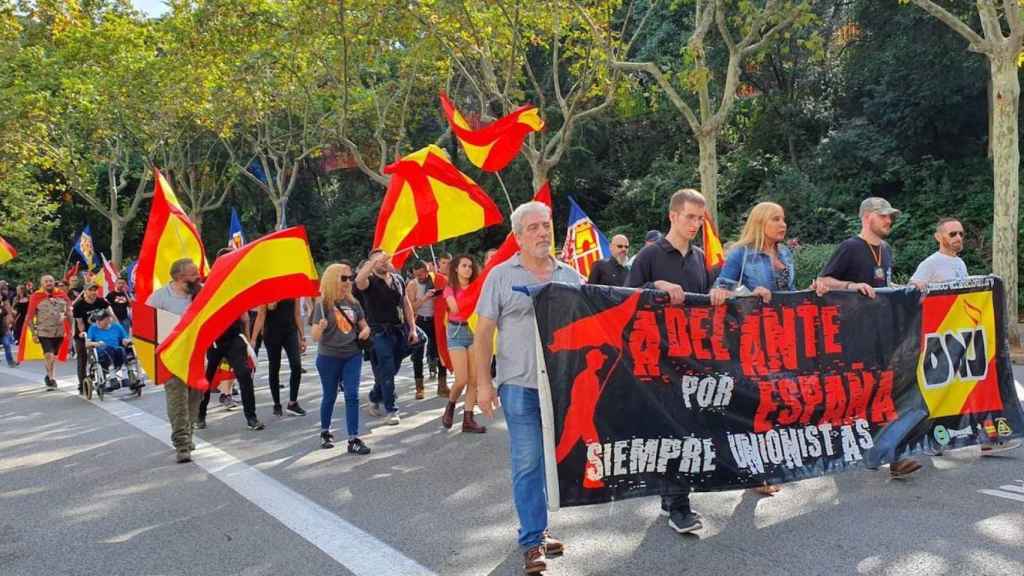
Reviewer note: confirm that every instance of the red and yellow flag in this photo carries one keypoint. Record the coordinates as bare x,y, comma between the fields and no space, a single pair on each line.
714,255
493,146
170,236
7,252
275,267
429,200
28,347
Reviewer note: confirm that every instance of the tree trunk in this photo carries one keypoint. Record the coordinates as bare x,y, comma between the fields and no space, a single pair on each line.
197,220
540,175
280,212
1006,172
707,143
116,239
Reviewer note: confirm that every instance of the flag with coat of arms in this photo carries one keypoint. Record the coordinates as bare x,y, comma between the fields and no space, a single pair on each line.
584,242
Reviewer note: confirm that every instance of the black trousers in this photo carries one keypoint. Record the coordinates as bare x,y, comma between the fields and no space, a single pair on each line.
83,359
237,357
430,350
289,342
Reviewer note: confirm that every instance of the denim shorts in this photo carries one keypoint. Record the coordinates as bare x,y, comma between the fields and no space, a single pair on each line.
459,336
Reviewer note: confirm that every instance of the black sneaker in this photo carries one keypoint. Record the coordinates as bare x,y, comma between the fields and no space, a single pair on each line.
684,522
326,439
295,409
200,425
51,384
356,446
254,424
277,410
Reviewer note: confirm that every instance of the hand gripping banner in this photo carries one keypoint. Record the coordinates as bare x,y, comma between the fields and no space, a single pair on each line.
644,396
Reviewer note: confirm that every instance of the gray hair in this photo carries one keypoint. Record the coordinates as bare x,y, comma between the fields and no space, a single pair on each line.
178,267
522,210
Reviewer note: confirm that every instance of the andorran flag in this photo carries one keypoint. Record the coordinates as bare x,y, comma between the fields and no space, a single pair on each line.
275,267
493,146
714,255
170,236
7,252
429,200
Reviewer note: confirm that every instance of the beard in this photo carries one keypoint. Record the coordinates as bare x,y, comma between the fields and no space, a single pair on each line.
193,287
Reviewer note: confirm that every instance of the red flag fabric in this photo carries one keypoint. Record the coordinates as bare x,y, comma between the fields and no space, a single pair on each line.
71,273
494,146
603,329
110,274
28,348
441,322
429,200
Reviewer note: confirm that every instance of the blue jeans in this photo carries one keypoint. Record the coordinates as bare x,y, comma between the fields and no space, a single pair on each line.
389,349
7,342
526,454
345,371
108,355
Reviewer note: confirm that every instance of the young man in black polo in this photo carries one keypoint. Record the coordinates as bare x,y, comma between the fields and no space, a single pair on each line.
863,263
89,302
674,265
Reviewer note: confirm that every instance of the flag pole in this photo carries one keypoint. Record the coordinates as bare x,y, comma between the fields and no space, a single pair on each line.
433,257
504,189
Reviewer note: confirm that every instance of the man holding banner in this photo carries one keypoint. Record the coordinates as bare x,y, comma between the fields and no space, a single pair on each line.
512,314
674,265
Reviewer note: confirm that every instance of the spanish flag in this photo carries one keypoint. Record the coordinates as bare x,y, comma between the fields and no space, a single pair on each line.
28,347
429,200
275,267
7,252
494,146
714,255
170,236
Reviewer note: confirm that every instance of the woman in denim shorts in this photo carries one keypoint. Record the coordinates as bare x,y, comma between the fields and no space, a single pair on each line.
463,271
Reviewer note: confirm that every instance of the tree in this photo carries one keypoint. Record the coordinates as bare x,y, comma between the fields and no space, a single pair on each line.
744,28
1003,51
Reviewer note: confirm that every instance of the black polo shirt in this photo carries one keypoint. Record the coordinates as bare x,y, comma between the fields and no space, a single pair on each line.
608,272
661,261
381,301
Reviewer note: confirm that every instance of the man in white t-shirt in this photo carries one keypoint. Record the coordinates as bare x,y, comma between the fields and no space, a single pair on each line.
945,266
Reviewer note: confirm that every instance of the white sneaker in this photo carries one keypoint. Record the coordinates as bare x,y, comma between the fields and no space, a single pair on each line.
394,420
1000,447
374,409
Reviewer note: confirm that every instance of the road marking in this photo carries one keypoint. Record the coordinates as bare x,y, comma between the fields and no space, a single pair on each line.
1007,491
356,550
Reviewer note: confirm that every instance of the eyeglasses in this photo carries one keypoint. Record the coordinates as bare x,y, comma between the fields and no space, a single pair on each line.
621,245
344,278
956,233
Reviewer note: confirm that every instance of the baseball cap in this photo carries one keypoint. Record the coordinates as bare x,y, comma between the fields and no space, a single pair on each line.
879,205
652,236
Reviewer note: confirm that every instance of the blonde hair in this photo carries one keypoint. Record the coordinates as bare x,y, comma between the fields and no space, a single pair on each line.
330,285
753,231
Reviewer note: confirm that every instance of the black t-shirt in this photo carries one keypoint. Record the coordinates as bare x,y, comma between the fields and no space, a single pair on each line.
119,303
82,309
661,261
381,299
280,321
608,272
856,261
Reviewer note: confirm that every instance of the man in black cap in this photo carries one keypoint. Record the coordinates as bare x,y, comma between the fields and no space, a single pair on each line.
650,239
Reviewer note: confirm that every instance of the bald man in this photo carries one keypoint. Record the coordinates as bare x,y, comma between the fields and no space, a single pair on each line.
612,271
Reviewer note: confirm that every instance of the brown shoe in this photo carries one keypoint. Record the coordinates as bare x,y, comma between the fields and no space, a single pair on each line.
449,415
904,467
419,388
533,560
469,424
553,547
442,387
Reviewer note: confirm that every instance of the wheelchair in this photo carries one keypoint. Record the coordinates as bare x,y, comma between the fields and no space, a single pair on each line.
100,380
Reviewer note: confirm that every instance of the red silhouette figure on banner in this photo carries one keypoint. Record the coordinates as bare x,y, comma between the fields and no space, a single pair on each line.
579,419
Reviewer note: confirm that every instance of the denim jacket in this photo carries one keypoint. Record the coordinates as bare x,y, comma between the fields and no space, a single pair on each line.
756,268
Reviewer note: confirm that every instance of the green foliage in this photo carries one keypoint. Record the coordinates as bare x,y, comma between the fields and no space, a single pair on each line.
810,260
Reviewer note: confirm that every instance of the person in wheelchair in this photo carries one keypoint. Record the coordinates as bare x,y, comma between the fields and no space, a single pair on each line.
110,341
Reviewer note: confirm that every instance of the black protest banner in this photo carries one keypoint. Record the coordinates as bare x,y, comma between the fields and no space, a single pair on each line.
646,395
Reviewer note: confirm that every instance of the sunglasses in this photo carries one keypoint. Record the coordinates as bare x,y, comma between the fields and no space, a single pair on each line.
956,233
345,278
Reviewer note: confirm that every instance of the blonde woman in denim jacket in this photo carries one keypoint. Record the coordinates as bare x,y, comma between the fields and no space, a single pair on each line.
760,263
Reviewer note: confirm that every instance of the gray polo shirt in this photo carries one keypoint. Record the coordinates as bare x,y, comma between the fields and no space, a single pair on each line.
513,312
165,299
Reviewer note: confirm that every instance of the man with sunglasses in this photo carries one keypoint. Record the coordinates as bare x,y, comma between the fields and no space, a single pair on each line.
612,271
945,265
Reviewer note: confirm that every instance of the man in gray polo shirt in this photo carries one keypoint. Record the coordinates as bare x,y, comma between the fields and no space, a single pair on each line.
512,314
182,401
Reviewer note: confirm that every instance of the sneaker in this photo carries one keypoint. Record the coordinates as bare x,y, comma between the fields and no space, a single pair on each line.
1000,447
228,403
200,425
684,522
295,410
553,547
374,409
277,410
234,391
183,456
393,419
356,446
253,424
326,439
51,384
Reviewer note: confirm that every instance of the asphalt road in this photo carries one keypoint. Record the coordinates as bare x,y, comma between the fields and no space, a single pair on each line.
92,489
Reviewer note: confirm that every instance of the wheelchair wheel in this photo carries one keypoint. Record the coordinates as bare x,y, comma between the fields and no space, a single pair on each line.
87,388
100,389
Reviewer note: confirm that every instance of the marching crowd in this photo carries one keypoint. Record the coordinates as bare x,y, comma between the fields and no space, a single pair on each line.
369,312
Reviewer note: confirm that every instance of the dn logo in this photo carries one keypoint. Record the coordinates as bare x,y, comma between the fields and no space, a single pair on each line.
952,355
